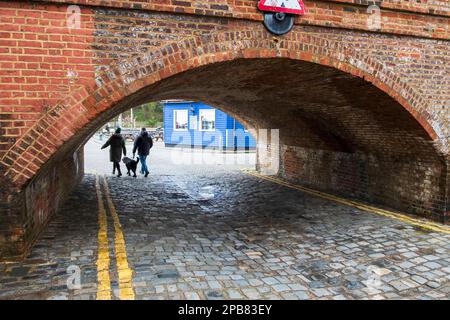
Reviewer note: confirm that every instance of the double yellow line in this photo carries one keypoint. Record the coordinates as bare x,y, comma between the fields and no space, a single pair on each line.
125,274
390,214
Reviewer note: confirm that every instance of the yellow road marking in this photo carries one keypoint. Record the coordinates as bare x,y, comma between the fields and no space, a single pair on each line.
125,273
394,215
103,261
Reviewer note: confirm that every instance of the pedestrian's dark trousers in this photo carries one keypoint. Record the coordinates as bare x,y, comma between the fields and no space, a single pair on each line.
116,165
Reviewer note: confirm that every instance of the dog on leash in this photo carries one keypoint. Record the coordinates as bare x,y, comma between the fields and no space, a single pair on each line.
131,165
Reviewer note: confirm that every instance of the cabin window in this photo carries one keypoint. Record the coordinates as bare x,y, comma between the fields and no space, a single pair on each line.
207,118
180,120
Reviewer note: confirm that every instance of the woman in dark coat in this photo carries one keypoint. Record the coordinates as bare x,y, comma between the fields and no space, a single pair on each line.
117,144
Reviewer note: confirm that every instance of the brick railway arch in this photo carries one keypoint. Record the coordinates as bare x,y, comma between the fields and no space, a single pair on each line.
114,85
351,137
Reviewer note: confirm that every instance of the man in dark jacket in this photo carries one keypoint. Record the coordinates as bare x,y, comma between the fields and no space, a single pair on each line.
143,144
117,144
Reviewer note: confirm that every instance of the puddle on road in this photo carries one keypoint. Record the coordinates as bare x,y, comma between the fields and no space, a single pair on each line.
207,193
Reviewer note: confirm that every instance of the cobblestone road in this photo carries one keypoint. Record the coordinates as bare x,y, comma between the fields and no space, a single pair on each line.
222,234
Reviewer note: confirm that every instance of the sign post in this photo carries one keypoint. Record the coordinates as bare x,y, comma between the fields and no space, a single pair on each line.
279,14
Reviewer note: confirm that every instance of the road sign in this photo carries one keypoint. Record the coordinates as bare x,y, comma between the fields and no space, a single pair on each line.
284,6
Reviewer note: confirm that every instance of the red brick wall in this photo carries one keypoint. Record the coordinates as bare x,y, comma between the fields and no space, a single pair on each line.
37,54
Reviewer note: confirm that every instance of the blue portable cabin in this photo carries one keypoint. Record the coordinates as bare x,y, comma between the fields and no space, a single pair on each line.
197,125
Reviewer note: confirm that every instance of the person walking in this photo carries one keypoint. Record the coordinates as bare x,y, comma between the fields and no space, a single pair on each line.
117,145
143,144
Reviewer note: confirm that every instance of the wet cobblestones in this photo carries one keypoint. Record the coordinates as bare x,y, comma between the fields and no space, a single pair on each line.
233,236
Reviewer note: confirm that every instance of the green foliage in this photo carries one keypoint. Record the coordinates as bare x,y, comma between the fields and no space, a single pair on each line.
149,114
